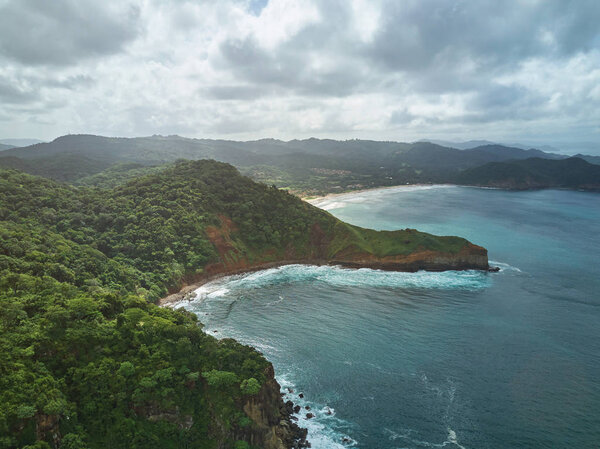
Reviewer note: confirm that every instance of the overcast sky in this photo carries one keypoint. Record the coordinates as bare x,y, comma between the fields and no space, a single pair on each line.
243,69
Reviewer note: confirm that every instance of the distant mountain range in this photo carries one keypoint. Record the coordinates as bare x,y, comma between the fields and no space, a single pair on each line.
590,159
12,143
562,148
308,167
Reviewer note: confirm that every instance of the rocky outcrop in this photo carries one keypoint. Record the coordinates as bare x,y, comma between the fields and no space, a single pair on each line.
272,426
153,412
47,427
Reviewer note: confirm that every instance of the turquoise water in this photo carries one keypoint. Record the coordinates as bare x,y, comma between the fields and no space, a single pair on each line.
431,360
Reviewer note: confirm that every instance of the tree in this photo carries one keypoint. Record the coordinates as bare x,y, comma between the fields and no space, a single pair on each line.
250,386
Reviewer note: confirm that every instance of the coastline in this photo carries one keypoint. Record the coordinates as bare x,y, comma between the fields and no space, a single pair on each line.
318,199
185,292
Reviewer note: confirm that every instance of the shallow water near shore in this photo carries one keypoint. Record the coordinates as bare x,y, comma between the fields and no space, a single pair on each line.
453,359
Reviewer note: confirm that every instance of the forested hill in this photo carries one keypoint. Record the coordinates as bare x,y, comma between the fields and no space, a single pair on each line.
535,173
87,360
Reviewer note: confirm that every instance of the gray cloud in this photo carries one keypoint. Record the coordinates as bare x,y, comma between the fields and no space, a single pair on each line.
69,83
417,35
63,32
27,90
234,92
381,69
11,94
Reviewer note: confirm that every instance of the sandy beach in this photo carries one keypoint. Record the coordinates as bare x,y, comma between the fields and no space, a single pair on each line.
328,201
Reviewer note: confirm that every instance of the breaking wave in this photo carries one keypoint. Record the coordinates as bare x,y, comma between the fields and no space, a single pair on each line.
344,277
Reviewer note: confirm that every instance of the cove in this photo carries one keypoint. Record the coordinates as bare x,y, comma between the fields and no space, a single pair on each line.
452,359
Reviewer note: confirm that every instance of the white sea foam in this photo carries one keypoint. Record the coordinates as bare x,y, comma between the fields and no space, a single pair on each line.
210,290
452,439
504,266
343,277
409,436
322,428
330,205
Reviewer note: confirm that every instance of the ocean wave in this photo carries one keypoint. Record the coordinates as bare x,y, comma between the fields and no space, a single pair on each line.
504,266
408,435
344,277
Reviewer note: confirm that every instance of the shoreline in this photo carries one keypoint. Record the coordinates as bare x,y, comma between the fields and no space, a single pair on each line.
318,199
186,290
329,196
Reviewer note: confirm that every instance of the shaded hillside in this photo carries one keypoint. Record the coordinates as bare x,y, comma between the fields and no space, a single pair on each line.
20,142
501,153
88,361
591,159
66,167
534,173
442,160
147,150
5,147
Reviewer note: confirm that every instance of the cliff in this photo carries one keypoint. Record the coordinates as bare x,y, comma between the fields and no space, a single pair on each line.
272,426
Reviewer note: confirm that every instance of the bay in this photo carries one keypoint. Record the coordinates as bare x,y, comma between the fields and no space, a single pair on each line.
454,359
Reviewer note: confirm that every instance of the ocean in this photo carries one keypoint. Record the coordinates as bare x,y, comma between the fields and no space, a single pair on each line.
429,360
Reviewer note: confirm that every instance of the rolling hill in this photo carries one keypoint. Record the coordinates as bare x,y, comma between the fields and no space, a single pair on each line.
535,173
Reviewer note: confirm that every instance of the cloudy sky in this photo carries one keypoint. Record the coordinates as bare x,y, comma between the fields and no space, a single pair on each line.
515,70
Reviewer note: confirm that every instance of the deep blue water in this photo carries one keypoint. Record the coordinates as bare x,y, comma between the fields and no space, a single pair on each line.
454,359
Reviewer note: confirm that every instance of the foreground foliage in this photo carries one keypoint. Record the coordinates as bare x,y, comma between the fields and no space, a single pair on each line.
85,359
